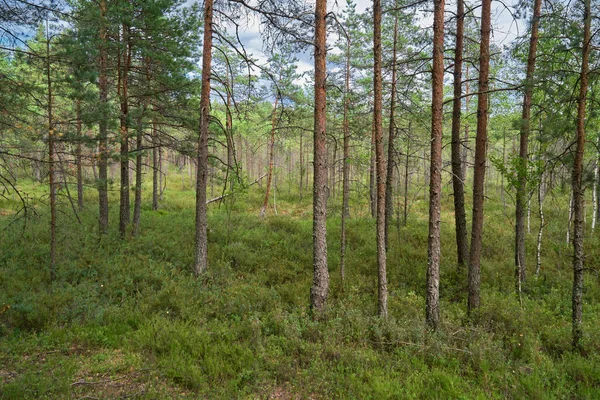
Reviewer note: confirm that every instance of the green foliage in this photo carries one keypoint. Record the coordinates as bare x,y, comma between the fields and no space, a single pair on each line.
130,315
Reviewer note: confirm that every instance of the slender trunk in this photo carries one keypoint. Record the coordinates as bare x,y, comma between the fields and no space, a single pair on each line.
406,175
595,188
520,266
124,206
78,157
435,174
263,210
389,196
541,194
465,150
380,160
373,176
345,165
51,166
137,207
578,188
301,166
480,159
570,218
103,125
201,248
320,286
462,246
155,166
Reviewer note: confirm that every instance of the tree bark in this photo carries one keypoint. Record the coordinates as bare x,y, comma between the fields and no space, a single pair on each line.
51,162
124,204
480,159
578,188
320,286
520,266
155,166
103,125
435,175
380,160
345,165
78,158
201,253
391,164
263,210
462,246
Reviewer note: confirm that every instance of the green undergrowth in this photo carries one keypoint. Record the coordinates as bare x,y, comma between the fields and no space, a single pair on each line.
127,319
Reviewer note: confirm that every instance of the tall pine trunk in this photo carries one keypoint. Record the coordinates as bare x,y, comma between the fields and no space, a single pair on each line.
480,159
380,160
201,245
124,205
391,164
103,125
520,270
78,157
320,286
578,188
51,163
345,165
435,175
462,246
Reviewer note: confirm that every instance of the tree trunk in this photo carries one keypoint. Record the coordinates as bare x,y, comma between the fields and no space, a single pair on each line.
263,210
380,160
578,188
541,195
480,159
435,174
406,173
520,270
345,165
465,150
201,251
124,206
373,176
78,157
103,125
389,196
320,286
462,246
155,166
51,166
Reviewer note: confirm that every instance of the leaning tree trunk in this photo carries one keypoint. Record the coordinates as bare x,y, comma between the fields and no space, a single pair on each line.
345,165
391,164
263,210
480,159
103,125
462,246
435,175
380,160
201,253
520,271
578,189
320,286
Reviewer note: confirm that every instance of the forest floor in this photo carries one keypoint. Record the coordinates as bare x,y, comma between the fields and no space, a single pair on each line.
127,319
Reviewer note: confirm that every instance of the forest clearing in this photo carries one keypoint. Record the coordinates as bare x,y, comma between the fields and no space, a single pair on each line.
299,199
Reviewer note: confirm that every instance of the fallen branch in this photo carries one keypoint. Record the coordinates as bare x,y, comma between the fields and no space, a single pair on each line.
231,193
